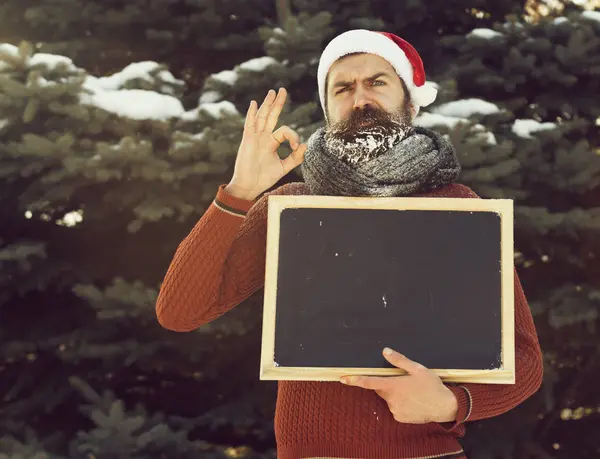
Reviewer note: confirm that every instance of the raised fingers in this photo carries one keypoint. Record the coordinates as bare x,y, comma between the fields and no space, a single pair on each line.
263,111
250,123
276,109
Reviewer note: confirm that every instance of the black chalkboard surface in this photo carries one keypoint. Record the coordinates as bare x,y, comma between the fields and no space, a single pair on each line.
346,277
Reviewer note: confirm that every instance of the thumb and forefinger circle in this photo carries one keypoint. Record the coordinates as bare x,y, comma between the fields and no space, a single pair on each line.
295,158
283,133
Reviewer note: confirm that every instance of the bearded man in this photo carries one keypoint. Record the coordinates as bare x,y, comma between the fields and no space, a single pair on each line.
371,87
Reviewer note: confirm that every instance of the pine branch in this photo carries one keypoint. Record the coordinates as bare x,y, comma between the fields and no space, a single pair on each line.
568,396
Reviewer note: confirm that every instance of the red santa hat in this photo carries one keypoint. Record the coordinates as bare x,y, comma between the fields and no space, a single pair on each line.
403,57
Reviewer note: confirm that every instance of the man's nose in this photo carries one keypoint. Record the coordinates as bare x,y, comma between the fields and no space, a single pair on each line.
361,104
361,98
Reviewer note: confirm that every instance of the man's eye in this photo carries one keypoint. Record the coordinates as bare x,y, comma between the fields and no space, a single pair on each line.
378,81
342,90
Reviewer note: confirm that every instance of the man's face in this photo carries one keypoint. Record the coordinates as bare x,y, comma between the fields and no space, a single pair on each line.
357,81
367,108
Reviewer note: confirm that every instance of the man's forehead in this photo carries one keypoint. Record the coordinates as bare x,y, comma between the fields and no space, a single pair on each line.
359,66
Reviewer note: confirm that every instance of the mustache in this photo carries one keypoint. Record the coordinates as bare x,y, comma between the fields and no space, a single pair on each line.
368,119
367,115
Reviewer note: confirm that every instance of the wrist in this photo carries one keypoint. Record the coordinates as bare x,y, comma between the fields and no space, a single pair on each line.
449,408
240,192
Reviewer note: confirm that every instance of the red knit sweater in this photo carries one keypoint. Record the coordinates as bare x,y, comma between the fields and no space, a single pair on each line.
222,262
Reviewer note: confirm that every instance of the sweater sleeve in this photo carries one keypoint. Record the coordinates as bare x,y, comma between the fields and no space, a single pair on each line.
218,264
481,401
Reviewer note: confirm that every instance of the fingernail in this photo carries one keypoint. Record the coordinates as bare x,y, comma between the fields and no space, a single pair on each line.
387,351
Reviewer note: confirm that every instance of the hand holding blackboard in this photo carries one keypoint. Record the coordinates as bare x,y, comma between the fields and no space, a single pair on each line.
418,397
429,277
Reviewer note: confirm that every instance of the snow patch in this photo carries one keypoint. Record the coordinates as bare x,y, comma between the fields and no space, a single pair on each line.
51,61
136,104
215,110
137,70
466,108
209,97
524,128
431,120
106,92
484,33
434,120
9,50
488,137
258,64
592,15
229,77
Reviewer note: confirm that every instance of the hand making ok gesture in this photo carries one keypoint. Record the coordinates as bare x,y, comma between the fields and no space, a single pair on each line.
258,166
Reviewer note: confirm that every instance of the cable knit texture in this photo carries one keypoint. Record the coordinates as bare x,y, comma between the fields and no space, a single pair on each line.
221,262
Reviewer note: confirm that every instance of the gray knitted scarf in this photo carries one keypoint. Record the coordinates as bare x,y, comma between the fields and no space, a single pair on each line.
421,162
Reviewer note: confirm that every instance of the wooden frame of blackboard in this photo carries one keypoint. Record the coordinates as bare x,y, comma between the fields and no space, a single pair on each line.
269,370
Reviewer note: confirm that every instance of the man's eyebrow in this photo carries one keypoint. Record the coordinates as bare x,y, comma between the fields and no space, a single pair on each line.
339,84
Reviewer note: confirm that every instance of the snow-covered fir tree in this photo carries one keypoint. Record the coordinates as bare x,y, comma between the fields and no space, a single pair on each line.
114,138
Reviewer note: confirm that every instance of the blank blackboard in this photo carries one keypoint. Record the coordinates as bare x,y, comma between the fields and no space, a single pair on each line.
429,277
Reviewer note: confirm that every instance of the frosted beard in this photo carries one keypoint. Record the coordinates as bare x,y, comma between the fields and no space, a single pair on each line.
367,134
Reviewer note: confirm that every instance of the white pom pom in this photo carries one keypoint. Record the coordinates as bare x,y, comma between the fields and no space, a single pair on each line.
424,95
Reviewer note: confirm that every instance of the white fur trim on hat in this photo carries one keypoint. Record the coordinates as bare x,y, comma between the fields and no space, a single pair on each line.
367,41
424,95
